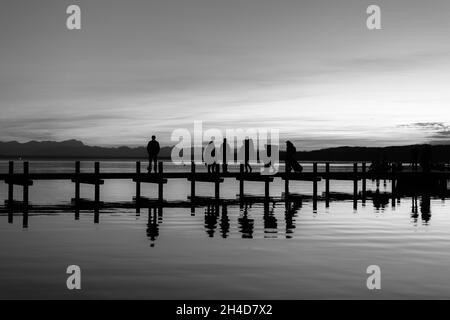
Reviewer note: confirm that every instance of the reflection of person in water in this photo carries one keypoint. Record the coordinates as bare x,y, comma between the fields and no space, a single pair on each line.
380,200
270,223
414,209
289,216
225,222
211,217
152,226
246,224
425,208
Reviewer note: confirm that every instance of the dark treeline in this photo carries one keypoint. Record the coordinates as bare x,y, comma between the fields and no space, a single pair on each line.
74,149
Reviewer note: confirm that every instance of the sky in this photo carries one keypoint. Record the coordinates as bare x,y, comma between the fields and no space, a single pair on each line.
310,69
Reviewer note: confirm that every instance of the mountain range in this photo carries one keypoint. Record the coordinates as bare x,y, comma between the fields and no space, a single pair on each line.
74,149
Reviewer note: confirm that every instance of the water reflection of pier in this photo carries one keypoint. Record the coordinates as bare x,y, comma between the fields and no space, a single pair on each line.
403,184
254,219
217,222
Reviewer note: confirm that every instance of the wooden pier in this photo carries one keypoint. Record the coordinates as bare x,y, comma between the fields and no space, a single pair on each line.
97,178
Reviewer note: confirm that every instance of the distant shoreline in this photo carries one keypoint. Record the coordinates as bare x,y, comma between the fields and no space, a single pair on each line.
77,150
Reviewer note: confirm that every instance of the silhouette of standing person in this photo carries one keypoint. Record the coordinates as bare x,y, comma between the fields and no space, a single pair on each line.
248,147
153,151
211,151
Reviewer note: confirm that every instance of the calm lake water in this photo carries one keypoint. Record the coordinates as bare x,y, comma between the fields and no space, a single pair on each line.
257,252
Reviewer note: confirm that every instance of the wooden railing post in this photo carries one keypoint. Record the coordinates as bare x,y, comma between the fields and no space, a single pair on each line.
364,182
160,184
138,187
286,187
355,185
77,182
225,160
193,181
217,182
97,185
315,186
97,193
25,185
217,190
286,183
11,185
241,181
393,185
327,185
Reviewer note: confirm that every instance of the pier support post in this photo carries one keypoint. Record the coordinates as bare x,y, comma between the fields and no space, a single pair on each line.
138,187
443,188
25,195
11,185
364,183
160,184
225,160
97,193
217,190
315,187
393,186
327,185
97,185
77,183
96,215
77,190
241,182
286,187
266,190
355,185
25,218
217,183
25,186
193,181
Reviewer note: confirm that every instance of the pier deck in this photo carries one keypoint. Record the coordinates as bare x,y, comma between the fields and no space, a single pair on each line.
438,179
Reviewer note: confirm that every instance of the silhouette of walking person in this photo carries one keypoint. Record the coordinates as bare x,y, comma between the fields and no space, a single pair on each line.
290,161
153,151
290,156
248,147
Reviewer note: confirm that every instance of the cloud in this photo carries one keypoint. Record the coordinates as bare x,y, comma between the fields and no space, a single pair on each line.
443,134
438,132
437,126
